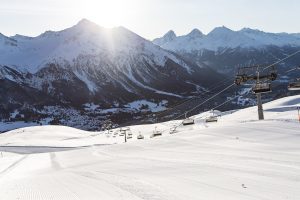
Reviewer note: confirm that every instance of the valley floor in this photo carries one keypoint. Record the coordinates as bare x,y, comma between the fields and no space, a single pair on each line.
236,158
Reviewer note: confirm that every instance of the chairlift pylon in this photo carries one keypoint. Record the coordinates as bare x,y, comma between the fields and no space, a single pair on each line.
262,76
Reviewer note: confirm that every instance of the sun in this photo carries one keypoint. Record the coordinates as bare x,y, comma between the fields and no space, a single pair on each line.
108,13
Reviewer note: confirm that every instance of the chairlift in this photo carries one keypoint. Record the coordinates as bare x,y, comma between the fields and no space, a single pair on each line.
240,79
294,85
187,121
246,74
122,134
140,137
156,134
212,118
129,133
261,88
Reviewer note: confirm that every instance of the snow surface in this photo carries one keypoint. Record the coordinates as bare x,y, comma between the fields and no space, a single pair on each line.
4,126
134,106
238,157
153,107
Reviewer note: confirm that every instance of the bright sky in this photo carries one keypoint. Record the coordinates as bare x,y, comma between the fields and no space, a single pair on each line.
149,18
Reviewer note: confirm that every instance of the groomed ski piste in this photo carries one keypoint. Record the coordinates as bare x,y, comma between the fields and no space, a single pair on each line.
238,158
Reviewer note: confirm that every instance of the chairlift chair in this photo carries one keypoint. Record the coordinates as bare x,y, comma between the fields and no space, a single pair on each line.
211,119
261,88
188,121
240,79
140,137
129,133
294,85
122,134
156,134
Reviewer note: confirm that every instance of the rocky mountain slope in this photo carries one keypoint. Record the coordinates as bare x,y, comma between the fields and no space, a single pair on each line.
90,65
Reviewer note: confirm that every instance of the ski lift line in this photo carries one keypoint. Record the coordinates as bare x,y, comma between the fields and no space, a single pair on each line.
205,101
225,102
275,63
288,71
279,61
181,122
289,56
218,85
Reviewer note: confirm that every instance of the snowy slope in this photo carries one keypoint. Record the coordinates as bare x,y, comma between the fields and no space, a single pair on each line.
231,159
85,38
224,38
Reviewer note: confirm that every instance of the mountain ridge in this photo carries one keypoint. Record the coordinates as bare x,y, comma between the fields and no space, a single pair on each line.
223,37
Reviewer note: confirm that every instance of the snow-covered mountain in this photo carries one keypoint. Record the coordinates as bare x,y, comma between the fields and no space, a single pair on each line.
90,64
223,38
225,50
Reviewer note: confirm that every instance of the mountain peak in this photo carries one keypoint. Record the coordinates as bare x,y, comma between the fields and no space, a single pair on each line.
84,22
221,31
1,35
169,36
195,33
249,30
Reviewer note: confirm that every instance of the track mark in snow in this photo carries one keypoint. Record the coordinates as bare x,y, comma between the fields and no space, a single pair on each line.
136,187
12,166
55,164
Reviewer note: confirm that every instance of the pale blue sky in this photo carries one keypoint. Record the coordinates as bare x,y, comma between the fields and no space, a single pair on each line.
149,18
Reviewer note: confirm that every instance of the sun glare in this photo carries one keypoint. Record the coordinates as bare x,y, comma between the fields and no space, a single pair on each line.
108,13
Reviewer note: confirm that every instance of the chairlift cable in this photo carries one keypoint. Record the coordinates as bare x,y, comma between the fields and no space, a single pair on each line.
288,71
279,61
218,85
225,102
205,101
